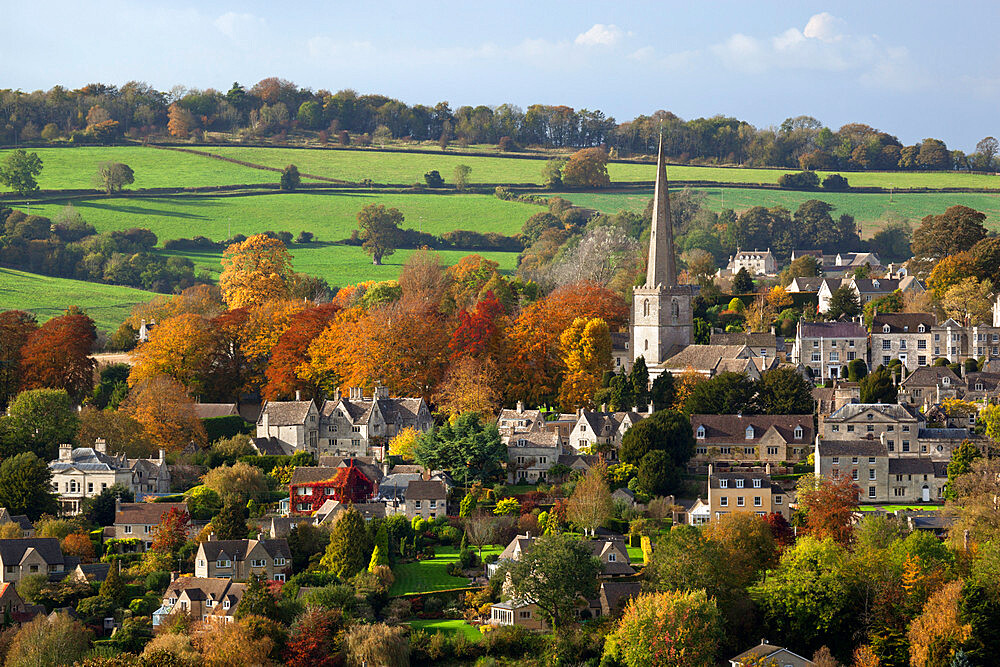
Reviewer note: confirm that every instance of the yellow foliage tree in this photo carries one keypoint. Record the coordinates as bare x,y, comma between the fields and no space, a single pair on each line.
403,444
685,385
586,353
951,270
969,301
255,271
166,413
470,386
179,347
938,632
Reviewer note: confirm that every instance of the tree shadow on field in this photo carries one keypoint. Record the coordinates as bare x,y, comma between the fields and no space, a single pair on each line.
144,210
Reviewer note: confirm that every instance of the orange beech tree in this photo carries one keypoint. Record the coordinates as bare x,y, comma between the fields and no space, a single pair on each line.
254,271
829,506
478,329
289,354
166,412
180,347
57,355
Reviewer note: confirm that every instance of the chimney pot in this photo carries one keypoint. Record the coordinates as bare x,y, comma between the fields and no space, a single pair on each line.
520,407
101,445
298,394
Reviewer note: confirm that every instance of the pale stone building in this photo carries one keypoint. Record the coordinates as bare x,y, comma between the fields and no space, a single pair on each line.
745,492
904,336
238,559
752,438
827,347
83,472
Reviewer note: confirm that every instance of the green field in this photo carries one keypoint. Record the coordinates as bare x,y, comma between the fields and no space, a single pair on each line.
867,208
343,265
427,576
45,296
448,626
330,216
74,168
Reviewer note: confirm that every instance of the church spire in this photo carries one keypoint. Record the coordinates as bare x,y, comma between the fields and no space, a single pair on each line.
661,268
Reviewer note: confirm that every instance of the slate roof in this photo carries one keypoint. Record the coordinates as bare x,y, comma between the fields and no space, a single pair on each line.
750,339
832,330
271,446
943,434
732,428
705,357
747,477
577,460
285,413
420,489
903,322
365,464
212,410
808,283
913,466
89,459
145,513
313,474
890,410
238,549
619,341
94,571
885,285
929,376
12,551
605,424
852,448
203,588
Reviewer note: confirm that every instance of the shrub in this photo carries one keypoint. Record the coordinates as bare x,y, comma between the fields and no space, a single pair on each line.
433,179
803,180
835,182
511,641
304,237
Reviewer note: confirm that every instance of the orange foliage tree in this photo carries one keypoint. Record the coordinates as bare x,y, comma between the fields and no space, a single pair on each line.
829,506
254,271
478,329
289,354
470,386
586,354
180,347
78,544
205,300
470,279
166,412
57,355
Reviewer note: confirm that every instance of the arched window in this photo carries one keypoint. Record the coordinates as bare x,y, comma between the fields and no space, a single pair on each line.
675,310
645,308
797,433
647,344
749,435
701,433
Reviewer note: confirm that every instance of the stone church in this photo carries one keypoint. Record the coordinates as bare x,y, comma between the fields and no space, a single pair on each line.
662,320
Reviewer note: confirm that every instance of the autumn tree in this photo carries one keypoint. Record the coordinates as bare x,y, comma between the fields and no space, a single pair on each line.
49,641
957,229
254,271
951,270
976,509
938,632
171,532
166,413
78,544
122,433
226,644
587,168
179,348
829,506
586,353
969,301
673,629
316,638
241,481
477,329
57,355
180,121
591,505
378,644
15,328
379,230
290,353
469,385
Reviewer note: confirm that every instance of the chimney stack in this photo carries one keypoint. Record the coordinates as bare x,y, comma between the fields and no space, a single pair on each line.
65,452
162,455
520,407
298,394
101,445
650,407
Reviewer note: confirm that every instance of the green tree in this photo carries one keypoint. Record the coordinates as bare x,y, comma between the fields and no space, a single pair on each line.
639,377
663,391
42,419
556,571
290,178
25,483
433,179
461,176
380,554
783,391
666,430
725,394
113,588
658,474
958,228
856,370
349,549
844,302
672,629
538,224
878,387
231,521
100,509
467,449
742,282
19,170
962,458
379,230
552,173
257,600
113,176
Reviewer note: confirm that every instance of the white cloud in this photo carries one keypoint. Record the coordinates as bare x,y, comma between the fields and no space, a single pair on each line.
825,27
239,26
600,35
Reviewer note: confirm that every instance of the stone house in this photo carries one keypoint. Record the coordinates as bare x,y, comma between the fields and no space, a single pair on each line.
612,553
892,424
530,454
84,472
139,520
426,498
756,262
20,558
765,345
881,476
831,399
951,340
238,559
206,599
825,292
826,348
311,486
745,492
359,425
930,385
769,654
602,432
904,336
27,529
621,355
294,424
740,438
710,360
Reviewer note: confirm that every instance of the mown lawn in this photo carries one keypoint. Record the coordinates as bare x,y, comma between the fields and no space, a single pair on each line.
329,216
867,208
895,508
46,296
75,167
427,576
448,626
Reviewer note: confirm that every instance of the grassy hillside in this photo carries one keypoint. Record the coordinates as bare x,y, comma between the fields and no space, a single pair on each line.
330,216
45,296
867,208
74,168
345,265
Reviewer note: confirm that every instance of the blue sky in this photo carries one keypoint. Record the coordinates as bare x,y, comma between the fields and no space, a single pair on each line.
915,69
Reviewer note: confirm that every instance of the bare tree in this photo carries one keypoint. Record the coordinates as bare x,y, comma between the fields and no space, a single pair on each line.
591,505
481,530
601,253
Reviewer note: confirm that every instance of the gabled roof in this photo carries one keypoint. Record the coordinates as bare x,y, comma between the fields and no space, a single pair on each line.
285,413
13,551
607,423
903,322
852,448
706,357
927,376
420,489
145,513
876,285
732,428
749,339
313,474
807,283
212,410
891,410
238,549
765,650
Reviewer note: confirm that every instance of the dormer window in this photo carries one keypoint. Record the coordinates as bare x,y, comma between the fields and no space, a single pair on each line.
979,386
749,434
756,484
906,328
225,605
875,284
921,328
701,433
946,380
797,433
723,483
739,484
885,328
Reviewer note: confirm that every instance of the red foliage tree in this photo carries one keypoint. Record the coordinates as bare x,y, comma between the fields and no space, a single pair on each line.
57,355
291,350
477,329
829,506
782,531
15,327
172,531
316,639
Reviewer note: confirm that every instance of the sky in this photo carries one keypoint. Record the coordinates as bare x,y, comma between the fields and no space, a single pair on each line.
915,69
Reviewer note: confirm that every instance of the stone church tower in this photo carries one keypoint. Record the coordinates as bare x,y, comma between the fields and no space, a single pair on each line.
662,315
